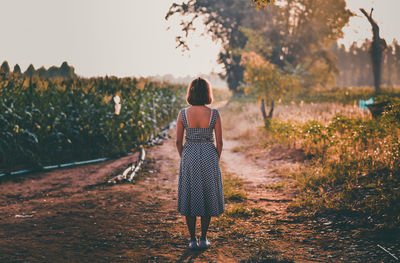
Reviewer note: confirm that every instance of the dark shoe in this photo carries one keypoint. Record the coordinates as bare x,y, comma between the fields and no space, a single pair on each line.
204,243
193,244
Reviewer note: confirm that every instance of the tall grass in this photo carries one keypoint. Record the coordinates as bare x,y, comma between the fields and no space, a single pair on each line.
339,95
353,160
355,163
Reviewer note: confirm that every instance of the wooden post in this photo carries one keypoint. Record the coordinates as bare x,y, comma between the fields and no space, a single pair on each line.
272,109
264,114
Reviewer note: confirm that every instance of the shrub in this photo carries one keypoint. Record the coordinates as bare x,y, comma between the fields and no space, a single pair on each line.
355,165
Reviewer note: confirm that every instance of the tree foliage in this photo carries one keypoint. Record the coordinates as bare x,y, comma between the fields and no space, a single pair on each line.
4,68
264,79
295,32
29,71
17,69
302,33
262,3
64,71
222,20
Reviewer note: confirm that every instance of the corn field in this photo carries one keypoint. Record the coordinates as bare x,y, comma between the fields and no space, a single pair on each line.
45,122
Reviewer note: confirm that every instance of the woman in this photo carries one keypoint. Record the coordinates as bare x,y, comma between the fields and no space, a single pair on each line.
200,186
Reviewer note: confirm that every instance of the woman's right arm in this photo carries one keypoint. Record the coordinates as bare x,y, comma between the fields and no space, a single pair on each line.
218,135
179,134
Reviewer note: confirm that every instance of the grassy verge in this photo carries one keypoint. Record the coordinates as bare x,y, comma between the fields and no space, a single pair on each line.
232,188
354,165
351,163
346,95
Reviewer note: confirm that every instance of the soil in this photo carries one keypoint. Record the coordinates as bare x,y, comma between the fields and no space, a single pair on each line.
72,215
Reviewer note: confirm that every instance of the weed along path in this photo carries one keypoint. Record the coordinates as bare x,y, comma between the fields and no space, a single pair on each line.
71,215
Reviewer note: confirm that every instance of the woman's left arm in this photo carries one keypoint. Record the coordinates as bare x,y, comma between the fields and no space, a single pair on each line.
218,135
179,135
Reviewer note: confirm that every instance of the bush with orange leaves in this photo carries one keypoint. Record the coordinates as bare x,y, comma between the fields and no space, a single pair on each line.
264,79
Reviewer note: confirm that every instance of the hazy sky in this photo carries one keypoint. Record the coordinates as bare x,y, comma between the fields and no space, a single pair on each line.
129,37
385,13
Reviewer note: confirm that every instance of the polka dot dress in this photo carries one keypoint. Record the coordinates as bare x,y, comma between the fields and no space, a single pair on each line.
200,185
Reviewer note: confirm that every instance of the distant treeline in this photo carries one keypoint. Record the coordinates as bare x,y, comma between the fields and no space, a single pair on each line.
215,80
64,71
355,67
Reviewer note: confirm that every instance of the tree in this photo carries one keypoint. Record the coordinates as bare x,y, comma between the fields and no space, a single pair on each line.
355,64
389,62
262,77
396,47
222,19
265,80
302,33
377,47
5,68
42,72
30,71
17,69
296,32
66,71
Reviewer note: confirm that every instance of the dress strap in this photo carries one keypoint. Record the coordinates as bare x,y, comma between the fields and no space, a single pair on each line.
213,117
183,116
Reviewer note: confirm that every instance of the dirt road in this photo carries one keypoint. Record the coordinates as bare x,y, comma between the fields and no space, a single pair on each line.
69,215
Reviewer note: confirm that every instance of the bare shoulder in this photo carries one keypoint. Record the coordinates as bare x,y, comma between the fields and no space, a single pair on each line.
212,109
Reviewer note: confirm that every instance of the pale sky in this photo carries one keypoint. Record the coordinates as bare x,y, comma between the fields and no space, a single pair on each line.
385,13
129,37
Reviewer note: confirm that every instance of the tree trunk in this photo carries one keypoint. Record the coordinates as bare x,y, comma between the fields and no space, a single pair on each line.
263,112
377,47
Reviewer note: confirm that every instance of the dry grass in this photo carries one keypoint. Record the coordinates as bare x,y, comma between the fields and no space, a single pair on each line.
244,211
242,120
239,115
233,188
322,112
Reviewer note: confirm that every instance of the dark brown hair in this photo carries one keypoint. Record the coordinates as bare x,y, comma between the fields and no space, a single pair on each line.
199,92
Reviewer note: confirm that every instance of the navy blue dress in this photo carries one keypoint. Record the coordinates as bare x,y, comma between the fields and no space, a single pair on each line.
200,191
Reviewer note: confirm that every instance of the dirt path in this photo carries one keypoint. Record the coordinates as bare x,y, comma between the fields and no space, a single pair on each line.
283,232
70,215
